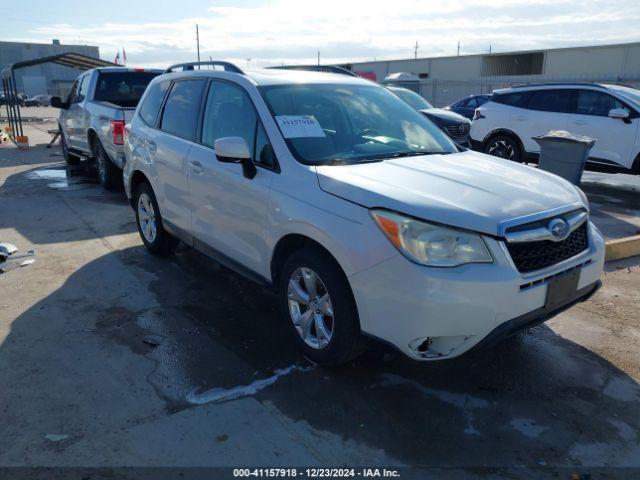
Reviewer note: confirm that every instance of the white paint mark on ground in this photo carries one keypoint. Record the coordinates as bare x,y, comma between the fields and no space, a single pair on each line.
528,427
464,402
54,437
224,394
624,430
621,389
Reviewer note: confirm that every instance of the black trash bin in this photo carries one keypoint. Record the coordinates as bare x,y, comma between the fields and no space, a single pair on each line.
564,154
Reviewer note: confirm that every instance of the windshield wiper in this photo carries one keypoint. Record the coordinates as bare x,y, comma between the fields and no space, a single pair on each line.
414,154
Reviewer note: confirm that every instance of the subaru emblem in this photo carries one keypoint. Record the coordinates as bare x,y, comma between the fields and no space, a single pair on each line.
558,227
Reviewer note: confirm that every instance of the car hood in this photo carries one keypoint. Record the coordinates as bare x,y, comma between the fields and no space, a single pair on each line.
467,190
445,116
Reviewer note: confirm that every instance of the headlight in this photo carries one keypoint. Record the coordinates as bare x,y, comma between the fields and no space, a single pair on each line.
431,244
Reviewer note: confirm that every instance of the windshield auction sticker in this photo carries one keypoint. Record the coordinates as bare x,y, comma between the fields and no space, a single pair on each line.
299,126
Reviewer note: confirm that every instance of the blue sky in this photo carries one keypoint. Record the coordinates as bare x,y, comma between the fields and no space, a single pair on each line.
156,33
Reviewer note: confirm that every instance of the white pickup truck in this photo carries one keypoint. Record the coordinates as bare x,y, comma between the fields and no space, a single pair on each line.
92,118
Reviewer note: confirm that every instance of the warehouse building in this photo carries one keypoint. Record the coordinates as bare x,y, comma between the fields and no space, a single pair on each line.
47,78
442,80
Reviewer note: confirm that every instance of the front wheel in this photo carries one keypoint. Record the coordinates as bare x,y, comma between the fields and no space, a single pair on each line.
157,240
504,146
318,306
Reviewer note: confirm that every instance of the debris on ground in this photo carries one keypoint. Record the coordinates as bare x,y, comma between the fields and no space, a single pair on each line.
10,260
54,437
153,340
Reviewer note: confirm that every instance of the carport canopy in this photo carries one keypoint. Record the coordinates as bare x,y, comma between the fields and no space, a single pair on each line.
69,59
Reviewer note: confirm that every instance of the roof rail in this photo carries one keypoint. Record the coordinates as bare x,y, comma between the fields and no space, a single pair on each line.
552,84
317,68
228,67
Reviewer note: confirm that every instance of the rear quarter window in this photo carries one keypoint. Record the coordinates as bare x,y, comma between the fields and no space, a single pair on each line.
152,102
513,99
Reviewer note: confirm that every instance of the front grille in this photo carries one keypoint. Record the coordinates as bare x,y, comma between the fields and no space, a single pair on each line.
457,131
530,256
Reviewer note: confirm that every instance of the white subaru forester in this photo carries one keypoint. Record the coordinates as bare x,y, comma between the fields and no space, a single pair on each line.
366,218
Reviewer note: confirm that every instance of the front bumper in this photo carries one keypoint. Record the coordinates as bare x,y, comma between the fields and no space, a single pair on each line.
438,313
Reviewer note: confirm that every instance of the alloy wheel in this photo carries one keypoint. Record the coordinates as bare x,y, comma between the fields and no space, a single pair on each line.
147,218
501,149
310,308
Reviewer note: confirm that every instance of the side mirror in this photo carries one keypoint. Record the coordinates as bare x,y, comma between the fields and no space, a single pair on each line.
619,113
56,102
235,150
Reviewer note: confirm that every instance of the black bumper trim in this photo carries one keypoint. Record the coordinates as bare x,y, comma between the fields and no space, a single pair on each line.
535,317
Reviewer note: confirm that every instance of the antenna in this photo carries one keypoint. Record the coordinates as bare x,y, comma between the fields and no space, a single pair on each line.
198,43
415,50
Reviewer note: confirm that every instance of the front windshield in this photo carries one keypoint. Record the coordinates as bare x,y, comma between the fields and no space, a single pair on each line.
631,93
324,123
412,98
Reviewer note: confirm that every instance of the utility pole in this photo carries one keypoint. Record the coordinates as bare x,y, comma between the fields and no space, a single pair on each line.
198,43
318,57
489,49
415,50
458,47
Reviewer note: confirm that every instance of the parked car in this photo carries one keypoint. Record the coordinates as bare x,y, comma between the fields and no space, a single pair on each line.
38,101
365,217
454,125
466,106
92,118
505,125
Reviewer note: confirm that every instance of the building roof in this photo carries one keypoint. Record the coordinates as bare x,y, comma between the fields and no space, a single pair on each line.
69,59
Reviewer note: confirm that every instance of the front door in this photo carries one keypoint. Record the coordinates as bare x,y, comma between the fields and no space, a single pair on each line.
614,137
230,210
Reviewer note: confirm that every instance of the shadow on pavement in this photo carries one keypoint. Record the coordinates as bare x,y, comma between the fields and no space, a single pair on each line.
538,400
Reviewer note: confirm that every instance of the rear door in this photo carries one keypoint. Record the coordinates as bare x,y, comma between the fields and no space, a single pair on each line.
178,126
546,109
614,137
230,210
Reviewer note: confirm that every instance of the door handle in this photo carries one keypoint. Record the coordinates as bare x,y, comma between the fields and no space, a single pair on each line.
520,117
579,122
196,167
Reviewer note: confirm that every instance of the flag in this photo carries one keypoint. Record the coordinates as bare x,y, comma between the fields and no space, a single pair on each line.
117,59
124,57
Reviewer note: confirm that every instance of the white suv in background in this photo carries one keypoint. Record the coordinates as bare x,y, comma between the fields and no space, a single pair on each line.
505,125
361,213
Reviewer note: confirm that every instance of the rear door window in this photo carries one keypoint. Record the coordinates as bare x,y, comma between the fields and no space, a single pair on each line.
122,88
182,110
153,101
550,101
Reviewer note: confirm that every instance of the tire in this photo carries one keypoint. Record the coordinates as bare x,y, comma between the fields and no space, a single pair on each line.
503,146
148,219
345,341
109,175
70,158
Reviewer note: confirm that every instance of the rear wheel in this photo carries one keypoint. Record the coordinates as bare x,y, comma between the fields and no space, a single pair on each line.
109,175
504,146
70,158
318,305
149,221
